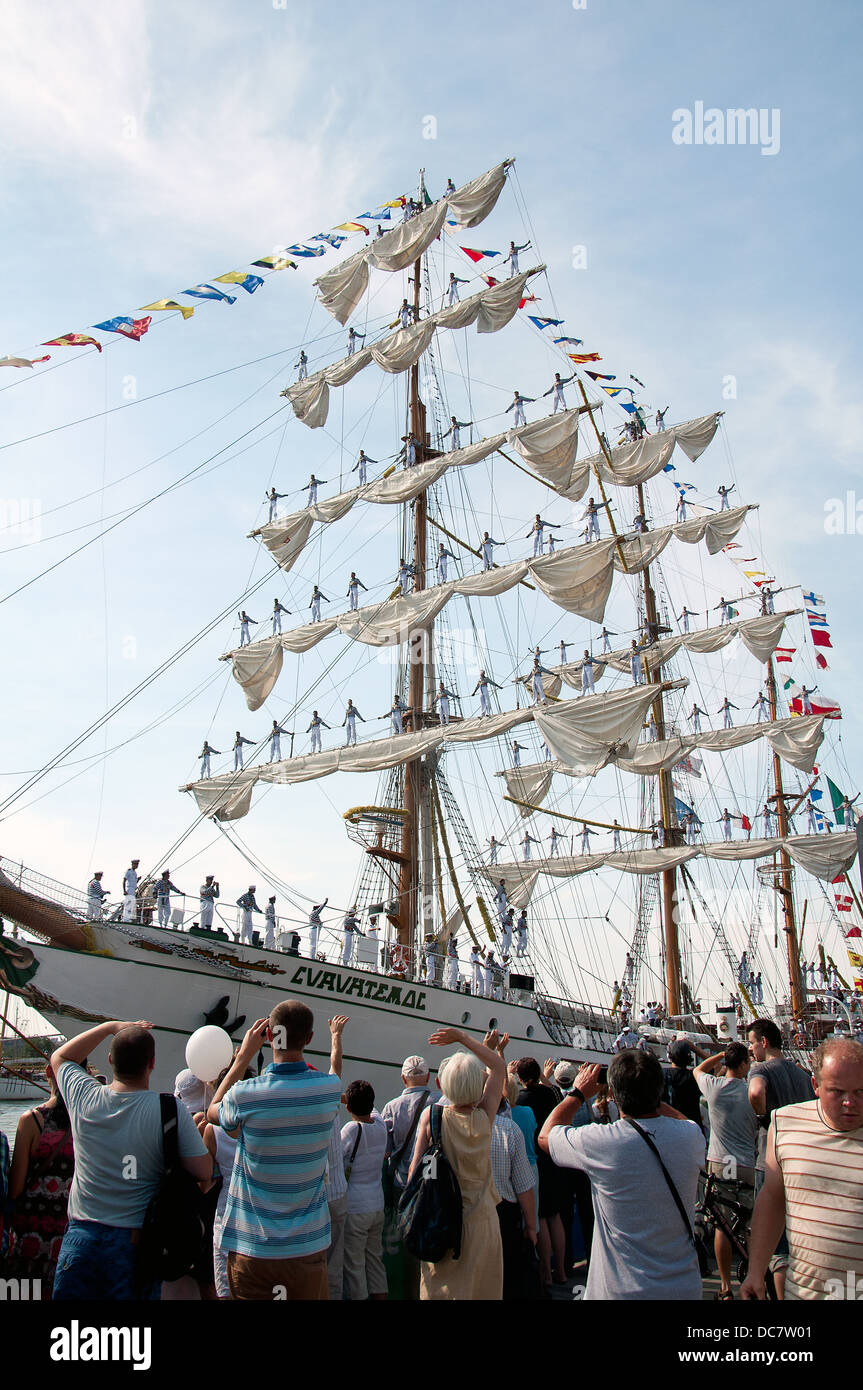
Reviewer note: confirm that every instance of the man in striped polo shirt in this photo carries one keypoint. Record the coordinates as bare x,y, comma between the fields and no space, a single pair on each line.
277,1226
814,1184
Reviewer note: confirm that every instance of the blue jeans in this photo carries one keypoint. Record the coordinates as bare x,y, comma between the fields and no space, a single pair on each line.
97,1262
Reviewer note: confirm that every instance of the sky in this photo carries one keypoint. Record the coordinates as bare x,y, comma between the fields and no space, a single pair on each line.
148,147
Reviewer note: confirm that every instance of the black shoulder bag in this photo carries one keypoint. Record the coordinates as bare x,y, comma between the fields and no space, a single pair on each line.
430,1210
703,1263
389,1176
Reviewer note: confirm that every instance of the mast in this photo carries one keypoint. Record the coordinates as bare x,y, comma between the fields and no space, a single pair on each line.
782,879
416,790
666,802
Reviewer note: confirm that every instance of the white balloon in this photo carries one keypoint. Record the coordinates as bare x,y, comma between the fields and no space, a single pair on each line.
208,1051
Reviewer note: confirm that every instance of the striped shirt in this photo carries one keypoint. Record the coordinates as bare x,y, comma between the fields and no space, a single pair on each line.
277,1206
822,1170
510,1170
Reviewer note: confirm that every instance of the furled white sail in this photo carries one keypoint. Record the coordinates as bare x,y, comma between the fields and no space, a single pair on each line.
342,288
759,635
529,784
491,308
582,733
257,671
636,463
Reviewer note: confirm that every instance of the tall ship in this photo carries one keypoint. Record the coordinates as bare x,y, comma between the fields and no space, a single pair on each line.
588,793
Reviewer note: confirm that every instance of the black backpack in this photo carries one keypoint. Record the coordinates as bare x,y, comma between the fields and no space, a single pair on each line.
174,1226
430,1210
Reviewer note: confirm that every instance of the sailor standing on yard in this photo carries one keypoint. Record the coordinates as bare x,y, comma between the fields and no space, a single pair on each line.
455,429
130,889
521,933
361,466
452,288
278,610
354,338
396,715
591,516
487,546
517,750
315,925
244,618
811,817
587,686
207,894
605,634
350,929
313,485
586,833
725,609
512,257
725,822
274,498
276,742
237,750
536,675
206,753
500,897
635,665
315,730
270,925
615,831
405,575
695,718
482,686
556,389
725,708
349,722
554,837
763,707
247,903
805,692
537,531
442,699
526,844
723,496
517,404
95,894
302,366
354,586
660,418
506,927
685,616
494,846
315,604
442,556
164,889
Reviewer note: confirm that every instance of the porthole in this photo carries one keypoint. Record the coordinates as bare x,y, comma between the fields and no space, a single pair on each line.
465,1018
492,1023
529,1030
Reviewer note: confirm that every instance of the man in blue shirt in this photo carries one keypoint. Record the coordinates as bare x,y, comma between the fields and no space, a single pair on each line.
277,1226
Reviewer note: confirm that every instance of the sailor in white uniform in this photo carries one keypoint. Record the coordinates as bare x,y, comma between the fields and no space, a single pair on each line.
763,707
723,496
767,813
526,844
635,665
556,390
500,898
164,889
521,933
207,894
411,444
315,604
805,692
354,586
405,575
482,686
811,817
452,288
725,609
725,822
206,753
494,845
517,404
274,498
270,925
450,977
591,516
487,546
315,730
429,954
586,833
685,616
278,610
554,837
350,929
695,718
130,889
405,316
313,485
537,531
349,722
488,974
587,685
302,366
658,829
546,752
536,675
315,925
442,556
660,418
450,188
475,963
247,905
725,708
442,699
361,466
681,507
652,731
506,927
95,894
354,338
605,635
244,618
395,714
276,742
615,832
512,257
455,429
564,648
517,750
639,523
767,608
239,744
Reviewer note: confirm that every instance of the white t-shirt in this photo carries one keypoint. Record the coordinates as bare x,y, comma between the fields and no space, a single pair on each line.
365,1190
640,1246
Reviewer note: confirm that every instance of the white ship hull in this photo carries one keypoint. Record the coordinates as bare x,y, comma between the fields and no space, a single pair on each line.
173,980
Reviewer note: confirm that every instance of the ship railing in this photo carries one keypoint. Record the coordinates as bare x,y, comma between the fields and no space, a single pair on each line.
29,881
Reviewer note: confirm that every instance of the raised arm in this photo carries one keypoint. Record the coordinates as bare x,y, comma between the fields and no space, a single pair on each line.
490,1059
337,1027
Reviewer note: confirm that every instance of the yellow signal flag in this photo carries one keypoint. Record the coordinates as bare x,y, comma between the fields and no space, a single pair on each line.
186,310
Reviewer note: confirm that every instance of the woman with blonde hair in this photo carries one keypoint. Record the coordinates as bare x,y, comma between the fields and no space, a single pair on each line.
472,1082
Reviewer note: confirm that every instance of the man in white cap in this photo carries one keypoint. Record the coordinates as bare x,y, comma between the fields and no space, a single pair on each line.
270,924
130,888
246,902
95,894
450,975
401,1117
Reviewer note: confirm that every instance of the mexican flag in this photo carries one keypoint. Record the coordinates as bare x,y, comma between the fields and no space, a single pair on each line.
837,797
